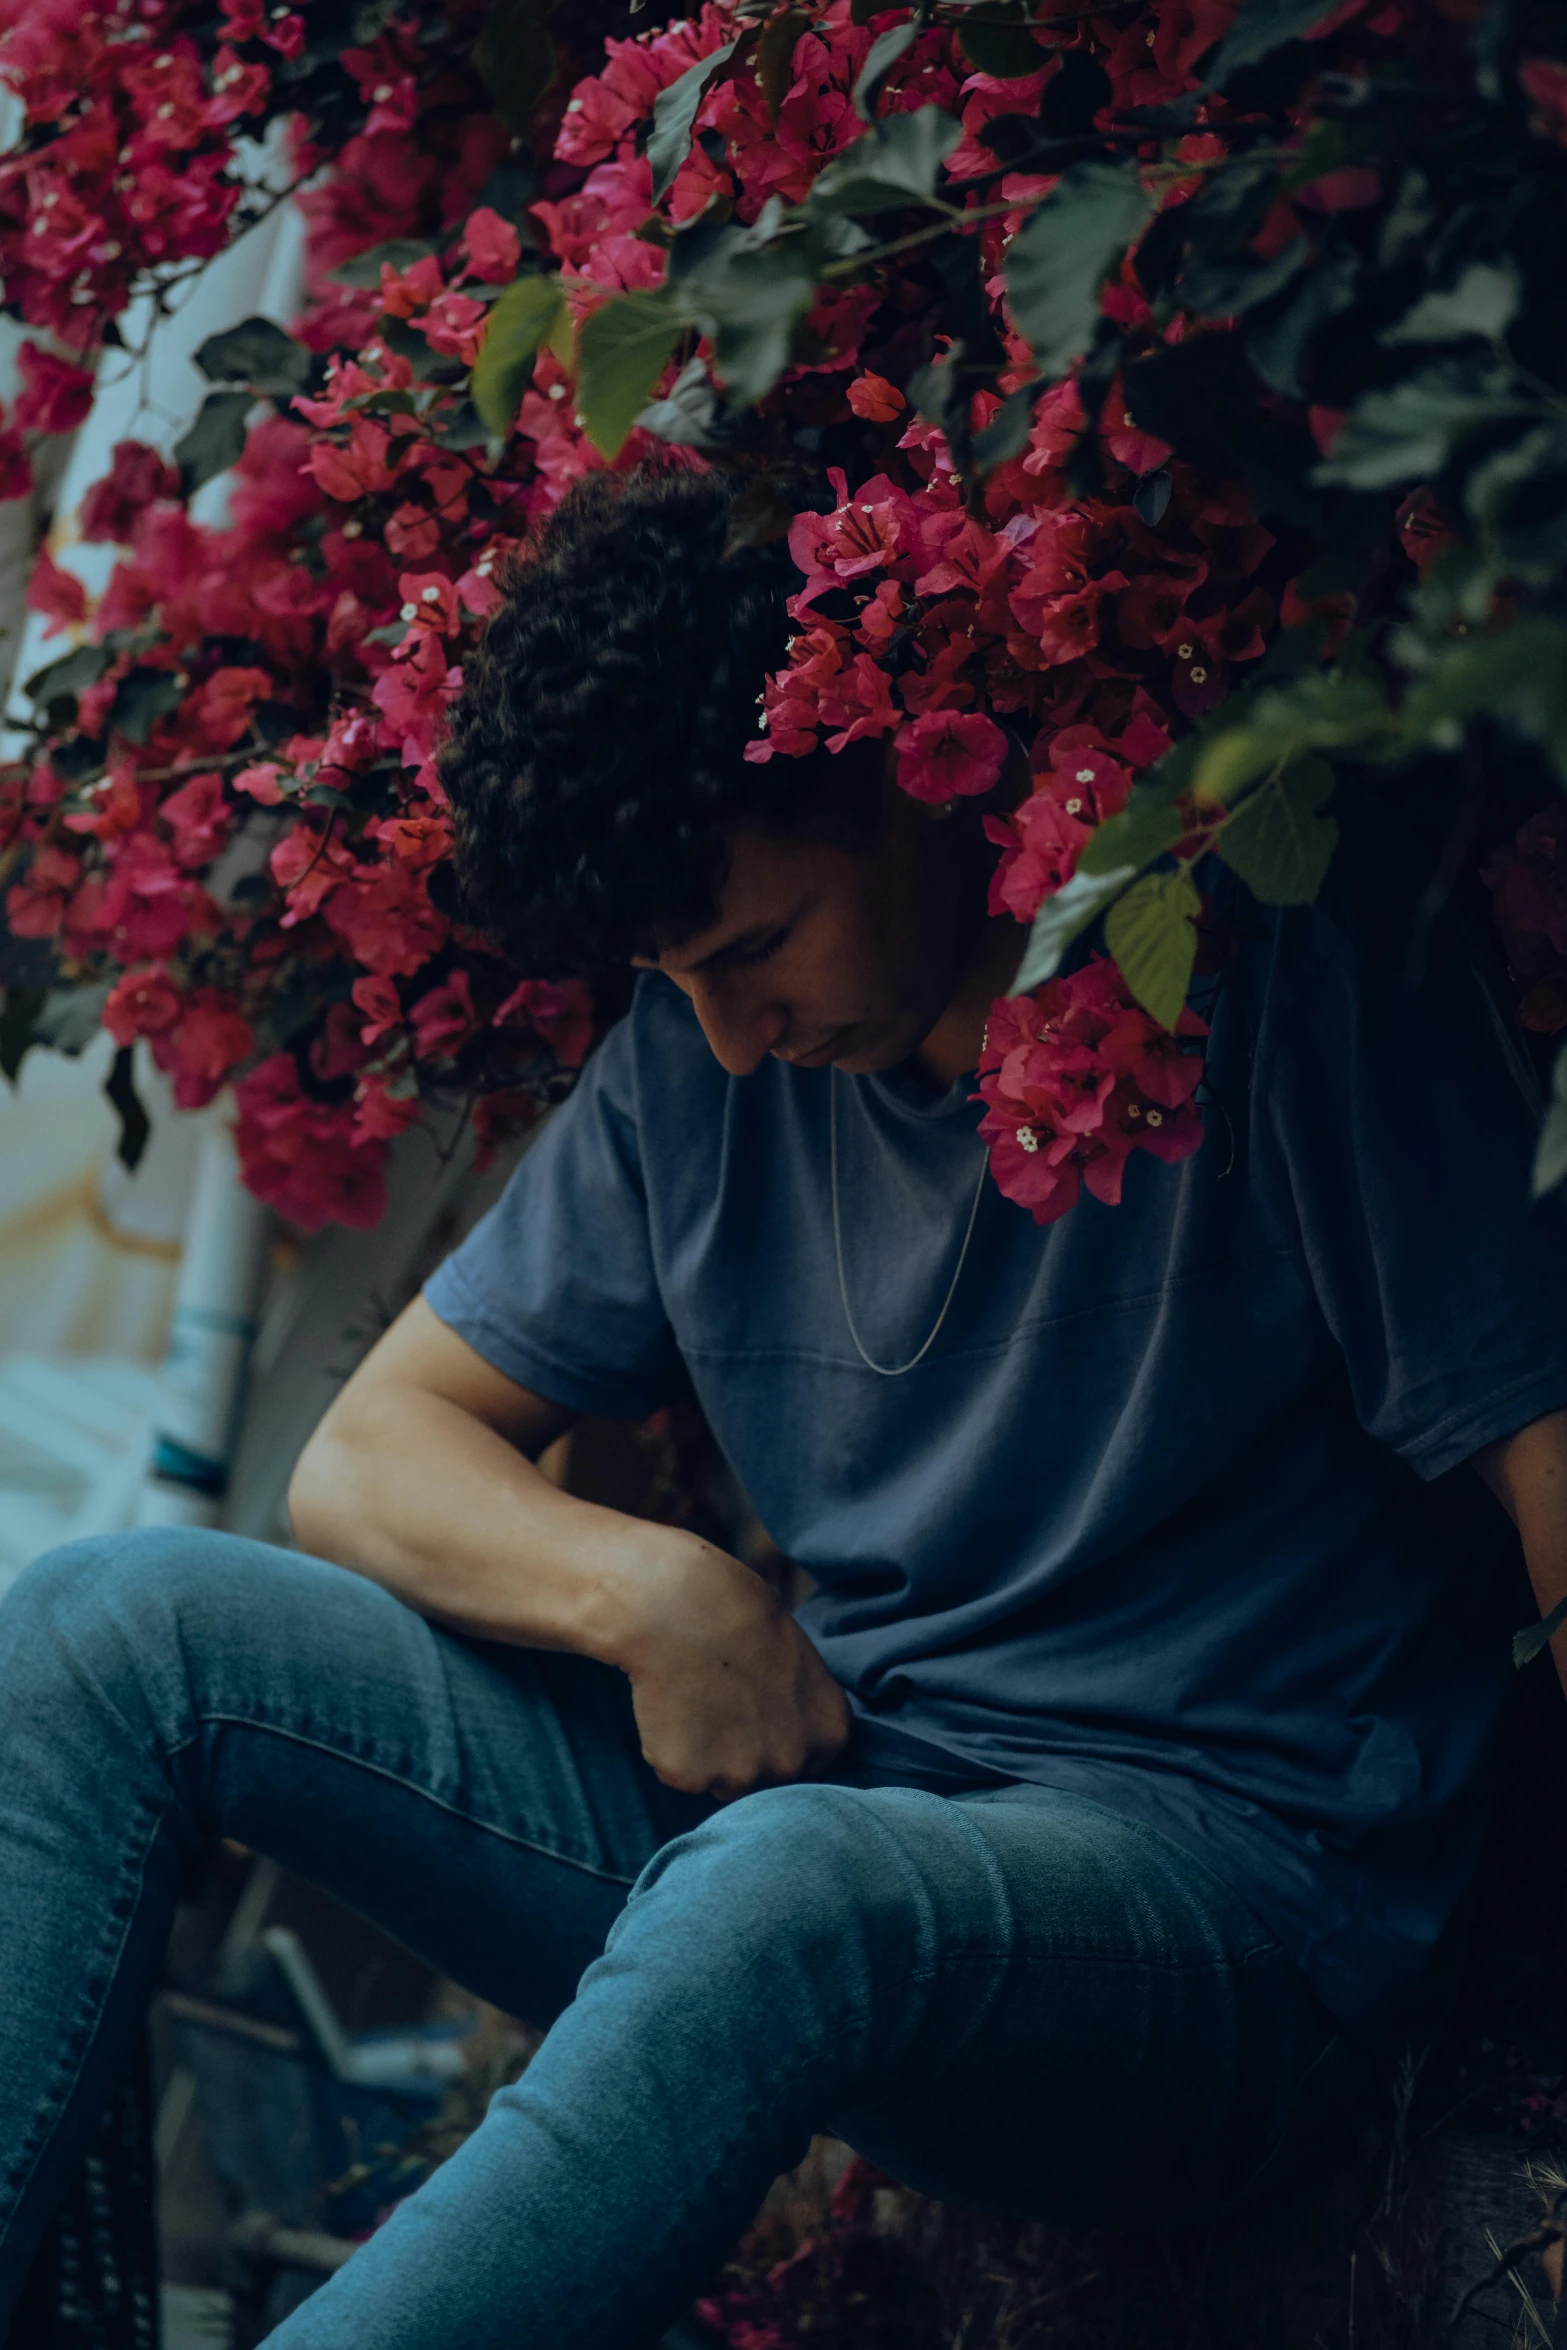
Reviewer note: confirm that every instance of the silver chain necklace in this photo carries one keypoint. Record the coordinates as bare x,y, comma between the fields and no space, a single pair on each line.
890,1370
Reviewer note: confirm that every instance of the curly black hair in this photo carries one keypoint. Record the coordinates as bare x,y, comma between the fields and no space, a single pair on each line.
594,754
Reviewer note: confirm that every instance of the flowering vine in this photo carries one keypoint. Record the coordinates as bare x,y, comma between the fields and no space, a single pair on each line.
1042,300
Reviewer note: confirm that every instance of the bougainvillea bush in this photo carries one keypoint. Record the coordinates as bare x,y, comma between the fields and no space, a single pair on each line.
1187,392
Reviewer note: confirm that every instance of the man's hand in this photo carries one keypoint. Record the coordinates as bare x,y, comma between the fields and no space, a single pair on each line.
729,1693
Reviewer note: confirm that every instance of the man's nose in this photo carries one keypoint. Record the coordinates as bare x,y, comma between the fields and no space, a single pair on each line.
740,1033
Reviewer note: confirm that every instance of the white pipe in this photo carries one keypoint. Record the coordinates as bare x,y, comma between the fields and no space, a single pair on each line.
216,1300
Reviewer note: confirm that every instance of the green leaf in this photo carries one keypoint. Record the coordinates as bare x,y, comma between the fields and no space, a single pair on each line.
688,416
215,441
884,53
135,1125
1004,51
515,59
70,1017
1277,343
1062,918
622,351
1006,435
1314,712
1144,829
896,163
1408,431
256,353
1279,840
141,698
1550,1158
1151,932
1518,498
1064,252
1262,27
525,316
71,674
1482,302
1517,673
749,295
1234,283
1528,1643
674,116
398,253
19,1010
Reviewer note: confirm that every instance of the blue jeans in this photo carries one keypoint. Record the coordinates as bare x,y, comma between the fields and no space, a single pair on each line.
1004,1995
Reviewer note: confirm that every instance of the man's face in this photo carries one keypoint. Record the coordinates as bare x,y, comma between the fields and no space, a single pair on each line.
820,954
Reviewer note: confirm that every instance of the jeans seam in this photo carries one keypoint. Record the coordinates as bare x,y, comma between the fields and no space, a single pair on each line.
410,1787
83,2037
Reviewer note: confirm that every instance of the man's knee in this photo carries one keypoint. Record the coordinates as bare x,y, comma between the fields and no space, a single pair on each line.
816,1883
122,1611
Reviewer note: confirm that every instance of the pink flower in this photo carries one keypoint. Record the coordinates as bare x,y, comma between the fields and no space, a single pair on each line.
204,1044
55,396
1544,81
949,754
559,1012
1074,1079
199,817
412,697
136,478
859,700
492,245
429,602
16,474
874,398
301,1156
58,594
444,1019
385,1106
141,1002
381,1005
386,920
35,906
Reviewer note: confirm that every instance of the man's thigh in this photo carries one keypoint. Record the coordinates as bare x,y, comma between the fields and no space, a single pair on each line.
1112,2035
488,1805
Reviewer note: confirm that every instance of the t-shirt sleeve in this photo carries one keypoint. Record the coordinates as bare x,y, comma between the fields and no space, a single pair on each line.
556,1286
1406,1116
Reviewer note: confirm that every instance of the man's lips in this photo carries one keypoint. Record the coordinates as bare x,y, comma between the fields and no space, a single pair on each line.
819,1054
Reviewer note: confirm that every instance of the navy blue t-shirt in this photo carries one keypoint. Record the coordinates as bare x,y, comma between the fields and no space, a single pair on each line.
1154,1519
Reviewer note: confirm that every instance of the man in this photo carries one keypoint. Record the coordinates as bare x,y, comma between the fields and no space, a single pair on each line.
1111,1793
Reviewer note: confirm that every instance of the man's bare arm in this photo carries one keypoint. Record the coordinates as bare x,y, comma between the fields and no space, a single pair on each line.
422,1476
1528,1474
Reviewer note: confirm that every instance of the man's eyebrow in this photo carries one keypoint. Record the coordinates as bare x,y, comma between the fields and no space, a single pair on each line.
737,946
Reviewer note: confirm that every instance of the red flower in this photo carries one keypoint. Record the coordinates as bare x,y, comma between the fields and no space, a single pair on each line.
874,398
16,474
55,396
859,701
207,1040
948,754
1074,1080
141,1002
199,817
1544,81
444,1019
492,245
35,906
561,1013
137,476
58,594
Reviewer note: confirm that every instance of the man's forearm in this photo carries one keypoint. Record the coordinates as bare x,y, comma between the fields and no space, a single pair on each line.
1528,1474
414,1492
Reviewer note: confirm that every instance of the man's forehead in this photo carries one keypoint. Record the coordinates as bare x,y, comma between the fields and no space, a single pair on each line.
760,888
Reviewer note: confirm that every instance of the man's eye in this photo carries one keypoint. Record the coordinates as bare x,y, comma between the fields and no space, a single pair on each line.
746,958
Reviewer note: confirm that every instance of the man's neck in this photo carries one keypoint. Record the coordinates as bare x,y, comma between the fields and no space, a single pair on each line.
953,1046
